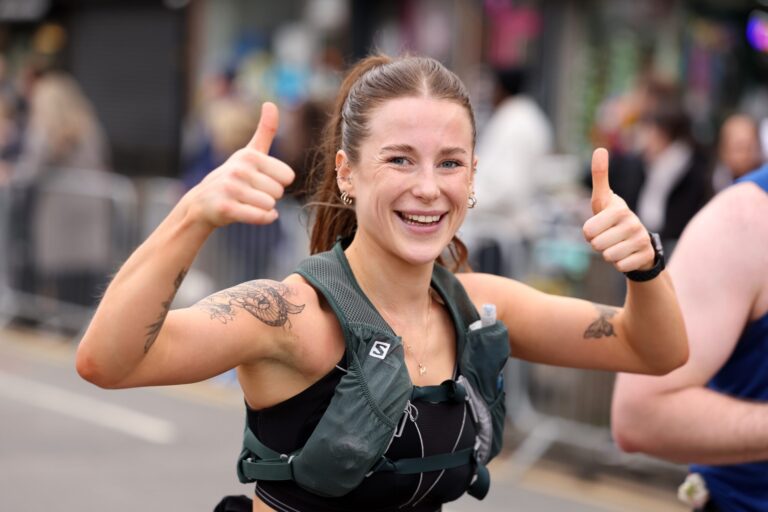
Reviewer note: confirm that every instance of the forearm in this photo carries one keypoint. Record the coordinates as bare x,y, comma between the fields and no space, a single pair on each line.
131,314
693,425
653,324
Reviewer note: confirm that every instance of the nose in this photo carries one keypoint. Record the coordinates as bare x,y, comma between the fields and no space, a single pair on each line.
426,186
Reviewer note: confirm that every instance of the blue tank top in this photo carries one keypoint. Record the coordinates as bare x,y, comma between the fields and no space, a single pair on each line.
743,487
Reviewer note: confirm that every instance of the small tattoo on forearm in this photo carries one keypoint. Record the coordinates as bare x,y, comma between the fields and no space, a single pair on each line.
264,299
602,326
154,328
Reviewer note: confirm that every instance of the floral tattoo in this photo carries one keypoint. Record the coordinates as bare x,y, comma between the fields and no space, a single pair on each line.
601,326
264,299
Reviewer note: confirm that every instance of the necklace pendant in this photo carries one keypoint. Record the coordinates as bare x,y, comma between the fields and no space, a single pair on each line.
422,369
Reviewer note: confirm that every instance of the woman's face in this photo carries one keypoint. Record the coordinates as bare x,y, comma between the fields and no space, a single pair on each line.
414,176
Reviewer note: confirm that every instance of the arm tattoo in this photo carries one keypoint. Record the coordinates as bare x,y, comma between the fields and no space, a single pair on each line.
153,329
262,298
601,327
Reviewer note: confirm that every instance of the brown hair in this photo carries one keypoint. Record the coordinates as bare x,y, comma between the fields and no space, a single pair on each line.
370,83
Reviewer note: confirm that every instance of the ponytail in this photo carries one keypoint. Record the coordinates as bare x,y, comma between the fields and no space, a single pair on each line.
332,218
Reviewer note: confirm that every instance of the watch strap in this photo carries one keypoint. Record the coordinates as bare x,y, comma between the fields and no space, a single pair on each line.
658,262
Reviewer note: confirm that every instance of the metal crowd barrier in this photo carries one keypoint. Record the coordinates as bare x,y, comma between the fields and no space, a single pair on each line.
63,236
547,406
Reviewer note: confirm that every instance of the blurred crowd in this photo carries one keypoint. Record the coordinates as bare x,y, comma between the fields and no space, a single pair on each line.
532,188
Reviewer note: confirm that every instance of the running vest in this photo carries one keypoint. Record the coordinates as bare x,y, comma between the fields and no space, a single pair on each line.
371,398
743,487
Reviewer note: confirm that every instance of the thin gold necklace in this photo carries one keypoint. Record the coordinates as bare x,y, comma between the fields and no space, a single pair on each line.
408,346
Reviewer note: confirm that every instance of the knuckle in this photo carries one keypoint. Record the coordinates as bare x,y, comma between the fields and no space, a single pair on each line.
223,209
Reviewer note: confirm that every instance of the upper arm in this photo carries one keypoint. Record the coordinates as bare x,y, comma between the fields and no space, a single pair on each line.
555,330
244,324
716,271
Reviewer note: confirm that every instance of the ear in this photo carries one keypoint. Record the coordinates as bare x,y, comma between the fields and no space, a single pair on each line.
344,173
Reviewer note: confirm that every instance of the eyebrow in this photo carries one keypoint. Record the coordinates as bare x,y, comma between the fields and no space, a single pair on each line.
407,148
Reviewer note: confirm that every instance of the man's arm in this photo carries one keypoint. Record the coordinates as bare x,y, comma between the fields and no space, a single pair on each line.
718,271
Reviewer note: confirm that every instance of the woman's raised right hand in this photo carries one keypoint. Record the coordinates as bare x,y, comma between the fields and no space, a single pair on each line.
247,186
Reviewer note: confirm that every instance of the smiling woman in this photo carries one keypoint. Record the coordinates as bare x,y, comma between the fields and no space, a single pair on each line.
371,381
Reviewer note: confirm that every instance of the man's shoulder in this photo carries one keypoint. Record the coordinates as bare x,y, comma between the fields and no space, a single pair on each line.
742,205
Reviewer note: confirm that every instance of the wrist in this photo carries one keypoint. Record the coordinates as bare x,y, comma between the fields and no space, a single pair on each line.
646,274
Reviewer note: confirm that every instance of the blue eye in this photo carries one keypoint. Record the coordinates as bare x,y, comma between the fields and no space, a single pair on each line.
398,160
451,164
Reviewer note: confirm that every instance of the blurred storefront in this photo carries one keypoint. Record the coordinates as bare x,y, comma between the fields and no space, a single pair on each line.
609,48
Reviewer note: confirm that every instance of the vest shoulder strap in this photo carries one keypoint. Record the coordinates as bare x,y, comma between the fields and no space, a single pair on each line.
330,274
455,296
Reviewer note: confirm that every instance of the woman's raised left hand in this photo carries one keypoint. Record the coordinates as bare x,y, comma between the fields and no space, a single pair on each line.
614,230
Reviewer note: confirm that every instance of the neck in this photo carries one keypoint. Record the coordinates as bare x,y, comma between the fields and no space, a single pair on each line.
388,281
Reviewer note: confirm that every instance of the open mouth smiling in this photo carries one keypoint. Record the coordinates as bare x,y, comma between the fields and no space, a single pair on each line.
420,220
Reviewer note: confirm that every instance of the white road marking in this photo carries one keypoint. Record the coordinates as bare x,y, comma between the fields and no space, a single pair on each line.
122,419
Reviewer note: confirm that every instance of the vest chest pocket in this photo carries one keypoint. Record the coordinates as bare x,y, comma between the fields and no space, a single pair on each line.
485,354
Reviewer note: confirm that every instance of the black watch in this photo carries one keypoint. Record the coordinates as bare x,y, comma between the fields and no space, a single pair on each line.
658,262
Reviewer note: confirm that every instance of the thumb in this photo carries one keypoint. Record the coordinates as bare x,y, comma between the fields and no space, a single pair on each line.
267,128
601,189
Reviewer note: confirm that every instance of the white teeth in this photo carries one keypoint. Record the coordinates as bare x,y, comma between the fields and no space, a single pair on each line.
422,219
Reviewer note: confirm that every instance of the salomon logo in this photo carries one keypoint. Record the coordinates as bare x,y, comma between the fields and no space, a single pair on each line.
379,349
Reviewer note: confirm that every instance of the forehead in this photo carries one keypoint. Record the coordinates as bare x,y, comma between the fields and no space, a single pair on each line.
416,120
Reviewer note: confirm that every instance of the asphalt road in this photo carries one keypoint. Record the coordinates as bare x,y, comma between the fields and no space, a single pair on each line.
66,445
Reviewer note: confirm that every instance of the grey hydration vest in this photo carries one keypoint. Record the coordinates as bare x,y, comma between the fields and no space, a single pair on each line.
356,430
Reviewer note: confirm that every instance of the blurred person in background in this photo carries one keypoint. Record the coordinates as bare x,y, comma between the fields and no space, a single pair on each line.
667,179
618,118
393,186
227,124
62,141
738,150
198,154
510,150
62,130
713,412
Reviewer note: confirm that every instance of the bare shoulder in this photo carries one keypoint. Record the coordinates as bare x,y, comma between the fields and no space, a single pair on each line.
730,232
738,210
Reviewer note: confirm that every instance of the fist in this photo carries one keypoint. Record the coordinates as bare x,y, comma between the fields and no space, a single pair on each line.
247,186
614,230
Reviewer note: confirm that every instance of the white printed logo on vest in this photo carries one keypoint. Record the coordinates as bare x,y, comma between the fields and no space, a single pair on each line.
379,349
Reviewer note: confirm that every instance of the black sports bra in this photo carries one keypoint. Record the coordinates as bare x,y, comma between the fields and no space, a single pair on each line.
427,429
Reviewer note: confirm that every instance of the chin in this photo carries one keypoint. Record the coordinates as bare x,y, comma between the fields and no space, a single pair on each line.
421,253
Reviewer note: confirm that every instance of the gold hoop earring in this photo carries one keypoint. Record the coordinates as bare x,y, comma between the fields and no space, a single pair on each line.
472,201
346,199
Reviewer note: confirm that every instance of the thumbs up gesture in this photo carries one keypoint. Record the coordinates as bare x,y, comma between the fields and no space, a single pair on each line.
614,230
247,186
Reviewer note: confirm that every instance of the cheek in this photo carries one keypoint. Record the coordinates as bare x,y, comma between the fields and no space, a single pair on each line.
458,190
